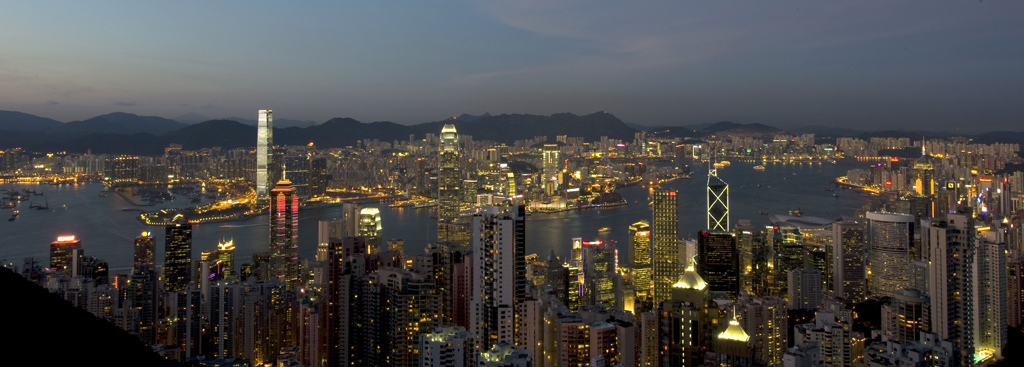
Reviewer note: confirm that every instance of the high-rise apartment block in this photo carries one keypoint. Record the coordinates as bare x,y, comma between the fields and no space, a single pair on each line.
499,275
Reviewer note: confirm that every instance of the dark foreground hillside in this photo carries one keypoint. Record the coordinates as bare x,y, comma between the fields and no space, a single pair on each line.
41,329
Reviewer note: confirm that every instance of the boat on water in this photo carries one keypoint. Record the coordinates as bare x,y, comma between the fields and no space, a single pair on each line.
14,215
604,230
103,194
759,168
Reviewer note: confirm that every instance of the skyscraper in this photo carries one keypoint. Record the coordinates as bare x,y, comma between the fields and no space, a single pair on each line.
499,275
225,259
951,245
990,295
848,261
551,166
284,233
62,253
370,227
264,142
640,253
890,237
718,261
317,177
665,232
924,174
144,251
177,254
718,203
448,183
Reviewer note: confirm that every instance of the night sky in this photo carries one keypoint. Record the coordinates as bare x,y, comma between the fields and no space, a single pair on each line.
938,65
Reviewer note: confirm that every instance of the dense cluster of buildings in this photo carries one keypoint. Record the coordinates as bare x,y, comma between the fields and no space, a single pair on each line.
942,253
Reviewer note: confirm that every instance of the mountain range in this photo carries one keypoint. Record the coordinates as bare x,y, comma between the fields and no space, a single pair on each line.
125,133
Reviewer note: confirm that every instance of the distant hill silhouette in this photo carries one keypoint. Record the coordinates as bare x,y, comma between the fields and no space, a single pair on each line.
279,123
44,330
121,123
18,121
729,128
125,133
226,134
191,118
511,127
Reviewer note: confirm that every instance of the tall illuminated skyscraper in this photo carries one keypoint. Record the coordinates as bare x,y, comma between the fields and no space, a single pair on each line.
718,203
924,174
370,227
448,184
640,254
177,270
924,180
284,233
264,142
665,232
551,166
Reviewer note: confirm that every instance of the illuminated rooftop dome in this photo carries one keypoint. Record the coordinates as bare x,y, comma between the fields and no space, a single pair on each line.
925,162
734,332
690,280
448,128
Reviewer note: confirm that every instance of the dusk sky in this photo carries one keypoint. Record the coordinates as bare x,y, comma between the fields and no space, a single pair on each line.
945,65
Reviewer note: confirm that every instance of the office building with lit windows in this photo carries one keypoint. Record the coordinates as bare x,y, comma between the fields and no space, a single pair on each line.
889,237
62,253
370,227
664,233
145,246
718,261
848,261
177,269
640,255
264,143
449,181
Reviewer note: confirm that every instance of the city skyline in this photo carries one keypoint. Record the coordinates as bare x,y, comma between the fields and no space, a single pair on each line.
952,290
788,64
